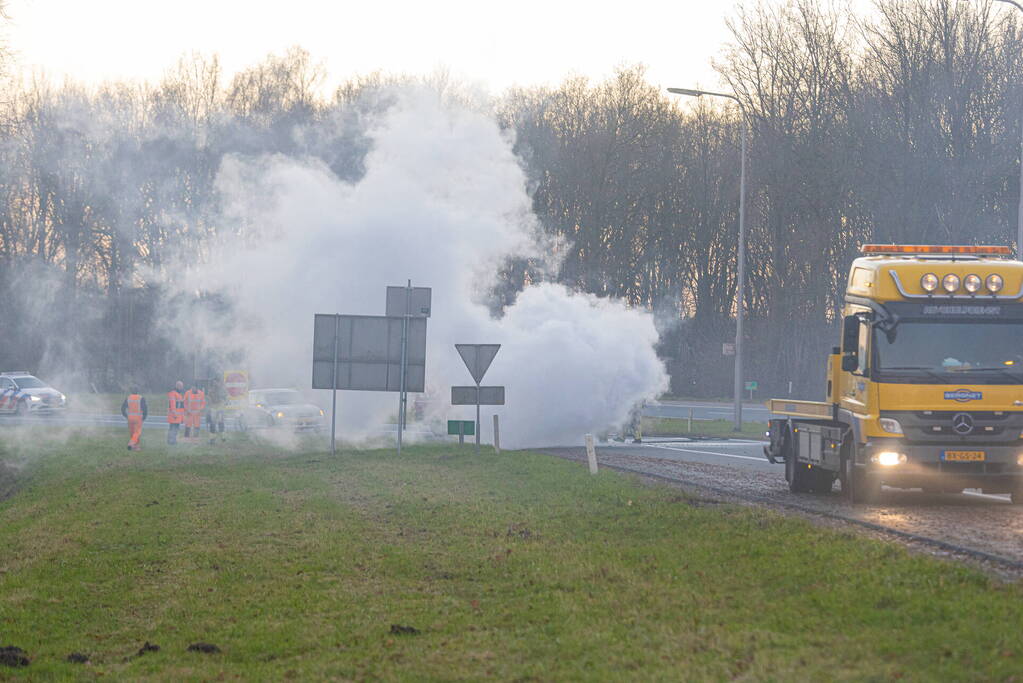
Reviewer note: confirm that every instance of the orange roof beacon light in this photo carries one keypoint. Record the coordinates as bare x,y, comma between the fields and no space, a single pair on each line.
949,249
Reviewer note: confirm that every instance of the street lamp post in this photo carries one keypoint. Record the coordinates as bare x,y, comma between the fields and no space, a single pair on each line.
1019,208
741,256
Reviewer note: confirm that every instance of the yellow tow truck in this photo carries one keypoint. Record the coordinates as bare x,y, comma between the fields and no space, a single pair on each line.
926,389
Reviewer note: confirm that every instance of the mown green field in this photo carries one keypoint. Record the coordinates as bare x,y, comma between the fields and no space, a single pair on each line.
513,567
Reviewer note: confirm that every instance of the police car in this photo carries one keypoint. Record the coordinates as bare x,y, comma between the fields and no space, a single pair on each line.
23,394
280,408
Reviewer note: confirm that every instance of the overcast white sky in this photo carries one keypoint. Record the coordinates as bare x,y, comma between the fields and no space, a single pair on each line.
495,44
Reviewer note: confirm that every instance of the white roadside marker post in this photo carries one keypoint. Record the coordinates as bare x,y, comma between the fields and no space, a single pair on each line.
497,436
591,454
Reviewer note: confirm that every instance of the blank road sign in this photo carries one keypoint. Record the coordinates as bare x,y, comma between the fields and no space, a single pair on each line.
418,304
477,358
466,396
461,427
369,353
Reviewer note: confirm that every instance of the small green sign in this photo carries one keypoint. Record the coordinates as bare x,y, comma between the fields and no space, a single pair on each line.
468,428
751,386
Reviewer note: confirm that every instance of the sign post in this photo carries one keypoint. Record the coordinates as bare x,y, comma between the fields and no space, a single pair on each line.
333,388
461,428
406,302
372,353
477,358
404,362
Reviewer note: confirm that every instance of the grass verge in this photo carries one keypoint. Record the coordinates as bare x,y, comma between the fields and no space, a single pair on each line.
515,566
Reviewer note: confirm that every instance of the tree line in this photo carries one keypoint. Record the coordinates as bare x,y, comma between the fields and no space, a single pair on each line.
900,125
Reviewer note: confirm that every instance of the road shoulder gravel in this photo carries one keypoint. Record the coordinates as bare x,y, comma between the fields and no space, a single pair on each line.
979,532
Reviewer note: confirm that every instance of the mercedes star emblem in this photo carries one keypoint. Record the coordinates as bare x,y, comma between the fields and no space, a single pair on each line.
962,423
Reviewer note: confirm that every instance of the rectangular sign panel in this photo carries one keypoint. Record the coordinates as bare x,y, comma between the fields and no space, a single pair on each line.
368,353
236,389
418,304
466,396
463,427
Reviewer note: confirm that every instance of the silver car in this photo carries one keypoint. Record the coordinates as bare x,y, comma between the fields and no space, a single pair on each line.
280,408
23,394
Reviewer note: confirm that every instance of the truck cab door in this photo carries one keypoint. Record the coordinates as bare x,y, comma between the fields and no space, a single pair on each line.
854,384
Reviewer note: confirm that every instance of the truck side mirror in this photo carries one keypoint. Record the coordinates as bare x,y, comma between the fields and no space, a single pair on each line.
850,363
850,335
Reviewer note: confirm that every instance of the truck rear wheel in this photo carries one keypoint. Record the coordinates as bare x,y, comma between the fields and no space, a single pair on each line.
801,478
823,480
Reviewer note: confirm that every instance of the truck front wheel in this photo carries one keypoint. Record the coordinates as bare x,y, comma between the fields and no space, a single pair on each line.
857,485
1016,495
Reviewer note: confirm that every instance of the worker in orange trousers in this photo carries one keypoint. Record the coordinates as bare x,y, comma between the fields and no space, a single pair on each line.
135,410
175,412
195,404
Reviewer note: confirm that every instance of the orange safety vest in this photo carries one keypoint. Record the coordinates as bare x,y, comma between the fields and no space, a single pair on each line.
134,405
175,407
202,400
193,401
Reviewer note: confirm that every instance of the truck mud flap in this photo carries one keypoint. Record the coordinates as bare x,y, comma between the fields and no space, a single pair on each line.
779,432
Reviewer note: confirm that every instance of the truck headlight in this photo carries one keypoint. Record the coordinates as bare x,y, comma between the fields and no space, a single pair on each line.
994,283
321,412
889,458
34,398
891,425
280,413
972,283
929,282
950,282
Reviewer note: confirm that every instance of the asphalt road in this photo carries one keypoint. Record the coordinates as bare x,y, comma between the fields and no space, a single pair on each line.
155,422
678,409
979,522
751,412
81,420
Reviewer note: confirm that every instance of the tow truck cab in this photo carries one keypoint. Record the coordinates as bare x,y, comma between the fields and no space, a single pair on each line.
926,387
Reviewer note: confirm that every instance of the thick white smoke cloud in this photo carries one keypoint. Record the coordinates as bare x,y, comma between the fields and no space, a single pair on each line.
443,202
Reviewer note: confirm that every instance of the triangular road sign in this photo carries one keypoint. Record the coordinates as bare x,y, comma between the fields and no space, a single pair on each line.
477,358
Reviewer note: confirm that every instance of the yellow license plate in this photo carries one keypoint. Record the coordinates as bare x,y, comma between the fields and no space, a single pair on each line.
963,456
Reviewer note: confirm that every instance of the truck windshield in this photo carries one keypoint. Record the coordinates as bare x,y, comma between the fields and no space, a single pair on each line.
950,352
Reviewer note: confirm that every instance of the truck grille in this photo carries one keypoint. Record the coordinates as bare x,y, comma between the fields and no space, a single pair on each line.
939,426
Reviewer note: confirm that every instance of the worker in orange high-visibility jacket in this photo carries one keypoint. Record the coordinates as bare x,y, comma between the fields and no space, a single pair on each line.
194,403
201,411
175,412
135,410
